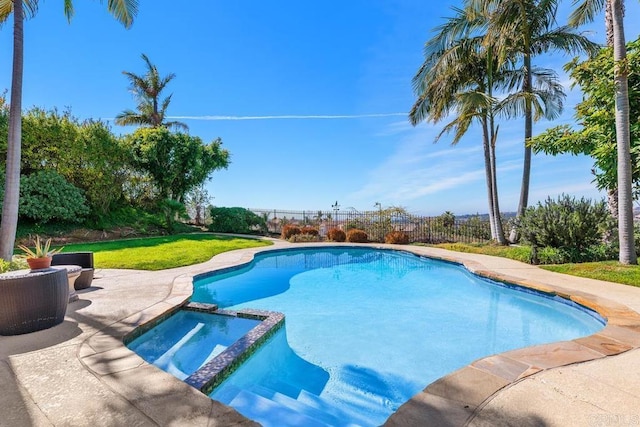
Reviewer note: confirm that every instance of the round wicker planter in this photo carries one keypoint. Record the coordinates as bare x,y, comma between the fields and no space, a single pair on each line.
32,300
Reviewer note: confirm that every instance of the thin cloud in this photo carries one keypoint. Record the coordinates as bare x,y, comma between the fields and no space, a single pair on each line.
288,117
447,183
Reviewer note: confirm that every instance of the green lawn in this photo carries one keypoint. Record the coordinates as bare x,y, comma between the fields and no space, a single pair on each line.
159,253
519,253
611,271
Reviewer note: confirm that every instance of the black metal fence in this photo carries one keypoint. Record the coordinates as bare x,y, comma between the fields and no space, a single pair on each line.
377,224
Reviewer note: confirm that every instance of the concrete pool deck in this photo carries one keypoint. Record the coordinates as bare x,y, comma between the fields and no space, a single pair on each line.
80,374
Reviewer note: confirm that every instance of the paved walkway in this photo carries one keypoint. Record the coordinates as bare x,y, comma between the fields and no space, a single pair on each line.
79,373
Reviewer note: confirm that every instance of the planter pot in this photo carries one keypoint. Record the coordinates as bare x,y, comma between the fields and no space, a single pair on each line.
39,263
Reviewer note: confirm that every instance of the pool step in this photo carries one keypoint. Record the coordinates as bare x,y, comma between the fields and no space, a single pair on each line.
309,410
272,408
219,348
262,391
307,403
226,393
322,405
270,413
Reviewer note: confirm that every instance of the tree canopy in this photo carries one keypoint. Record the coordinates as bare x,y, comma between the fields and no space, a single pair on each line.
147,89
110,172
596,136
177,162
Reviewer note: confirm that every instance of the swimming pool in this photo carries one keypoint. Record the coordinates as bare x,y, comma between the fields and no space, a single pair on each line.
367,329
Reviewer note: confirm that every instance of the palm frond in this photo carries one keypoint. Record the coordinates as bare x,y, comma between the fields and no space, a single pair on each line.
459,126
68,9
420,111
564,39
131,118
29,9
146,90
123,10
585,11
177,125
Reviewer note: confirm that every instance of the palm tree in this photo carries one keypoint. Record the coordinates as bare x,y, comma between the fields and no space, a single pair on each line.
585,12
147,89
124,11
460,73
523,29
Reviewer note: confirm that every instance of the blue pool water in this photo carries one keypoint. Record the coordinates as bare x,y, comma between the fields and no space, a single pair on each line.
186,341
367,329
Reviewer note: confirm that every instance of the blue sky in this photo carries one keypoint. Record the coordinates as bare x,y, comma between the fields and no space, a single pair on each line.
310,98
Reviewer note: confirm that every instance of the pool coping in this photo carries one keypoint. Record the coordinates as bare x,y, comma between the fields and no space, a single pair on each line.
453,399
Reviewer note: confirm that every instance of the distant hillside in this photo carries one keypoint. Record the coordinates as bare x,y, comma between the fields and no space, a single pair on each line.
507,215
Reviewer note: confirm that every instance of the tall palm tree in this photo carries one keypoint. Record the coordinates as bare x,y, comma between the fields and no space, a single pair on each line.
147,89
614,18
124,11
524,29
459,73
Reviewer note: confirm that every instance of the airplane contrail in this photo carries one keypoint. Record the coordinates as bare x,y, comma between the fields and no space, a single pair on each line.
288,117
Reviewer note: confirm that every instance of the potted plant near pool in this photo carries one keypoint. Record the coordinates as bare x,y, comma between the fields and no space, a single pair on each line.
40,256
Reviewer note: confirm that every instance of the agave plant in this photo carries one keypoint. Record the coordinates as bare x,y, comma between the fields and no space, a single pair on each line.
41,250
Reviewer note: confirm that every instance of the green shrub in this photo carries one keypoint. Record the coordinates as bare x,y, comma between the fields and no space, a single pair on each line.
357,236
47,196
312,231
446,220
172,210
236,220
140,220
548,255
567,224
289,230
476,227
17,263
4,266
397,238
336,235
598,252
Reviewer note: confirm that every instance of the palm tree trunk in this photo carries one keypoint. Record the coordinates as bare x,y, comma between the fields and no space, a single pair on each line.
608,21
490,135
612,193
9,222
526,166
489,178
625,199
500,237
